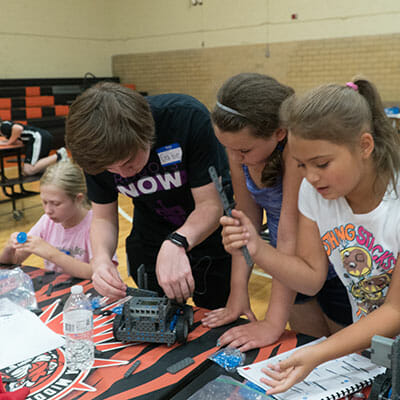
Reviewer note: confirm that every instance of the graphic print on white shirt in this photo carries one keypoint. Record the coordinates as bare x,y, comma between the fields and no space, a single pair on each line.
363,248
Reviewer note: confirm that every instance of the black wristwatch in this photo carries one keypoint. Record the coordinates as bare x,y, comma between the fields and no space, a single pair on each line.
178,239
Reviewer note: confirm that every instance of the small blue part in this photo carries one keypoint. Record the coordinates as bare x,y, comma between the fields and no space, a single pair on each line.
66,252
174,320
117,310
96,302
22,237
228,358
390,393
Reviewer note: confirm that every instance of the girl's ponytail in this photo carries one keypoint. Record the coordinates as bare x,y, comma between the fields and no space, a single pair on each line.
387,141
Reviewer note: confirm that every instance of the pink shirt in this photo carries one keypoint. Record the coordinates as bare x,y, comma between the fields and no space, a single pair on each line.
72,241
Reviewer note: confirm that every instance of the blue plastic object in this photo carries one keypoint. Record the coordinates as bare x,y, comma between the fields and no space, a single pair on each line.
392,110
174,320
117,310
96,302
22,237
228,358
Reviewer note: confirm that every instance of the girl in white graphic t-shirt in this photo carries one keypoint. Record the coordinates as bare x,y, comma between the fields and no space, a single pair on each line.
61,236
349,206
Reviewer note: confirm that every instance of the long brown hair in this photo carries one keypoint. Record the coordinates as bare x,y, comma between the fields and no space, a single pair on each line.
256,98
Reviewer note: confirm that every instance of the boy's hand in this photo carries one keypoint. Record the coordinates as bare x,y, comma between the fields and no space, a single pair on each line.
238,231
106,279
174,273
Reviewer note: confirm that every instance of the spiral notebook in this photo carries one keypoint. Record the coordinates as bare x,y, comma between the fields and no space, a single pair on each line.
332,380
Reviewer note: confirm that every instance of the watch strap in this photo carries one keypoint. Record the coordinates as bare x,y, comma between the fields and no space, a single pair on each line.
178,239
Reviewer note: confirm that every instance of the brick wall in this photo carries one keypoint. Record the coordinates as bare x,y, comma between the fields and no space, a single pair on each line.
300,64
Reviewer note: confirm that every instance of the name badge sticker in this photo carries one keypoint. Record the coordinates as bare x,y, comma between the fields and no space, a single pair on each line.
171,154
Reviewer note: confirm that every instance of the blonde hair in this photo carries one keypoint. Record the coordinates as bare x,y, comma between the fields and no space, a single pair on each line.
68,177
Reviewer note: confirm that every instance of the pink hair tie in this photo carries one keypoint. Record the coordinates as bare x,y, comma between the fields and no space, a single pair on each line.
352,85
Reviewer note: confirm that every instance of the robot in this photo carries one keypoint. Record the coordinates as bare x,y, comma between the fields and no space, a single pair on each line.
146,317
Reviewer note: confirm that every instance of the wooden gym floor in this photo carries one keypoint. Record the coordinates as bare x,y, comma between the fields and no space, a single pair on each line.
259,286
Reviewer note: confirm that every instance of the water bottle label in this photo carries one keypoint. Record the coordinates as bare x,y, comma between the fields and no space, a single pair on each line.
78,321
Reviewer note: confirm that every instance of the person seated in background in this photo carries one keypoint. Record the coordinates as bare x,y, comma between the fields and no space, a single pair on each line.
61,236
157,151
37,143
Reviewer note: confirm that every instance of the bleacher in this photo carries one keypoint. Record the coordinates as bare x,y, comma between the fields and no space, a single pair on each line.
43,102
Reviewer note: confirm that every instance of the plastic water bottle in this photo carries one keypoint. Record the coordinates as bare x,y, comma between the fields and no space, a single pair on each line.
78,330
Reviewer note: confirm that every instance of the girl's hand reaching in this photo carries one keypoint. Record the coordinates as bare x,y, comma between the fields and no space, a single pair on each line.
225,315
238,231
297,367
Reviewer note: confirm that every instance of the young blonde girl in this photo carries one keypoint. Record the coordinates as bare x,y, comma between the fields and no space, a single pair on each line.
61,236
349,208
265,177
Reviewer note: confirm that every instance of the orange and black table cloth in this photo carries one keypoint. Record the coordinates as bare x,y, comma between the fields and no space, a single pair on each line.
47,377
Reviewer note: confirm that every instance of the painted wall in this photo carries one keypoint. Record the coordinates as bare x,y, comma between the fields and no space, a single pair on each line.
51,38
54,38
163,25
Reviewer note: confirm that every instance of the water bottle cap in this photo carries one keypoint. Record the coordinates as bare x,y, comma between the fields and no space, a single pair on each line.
76,289
22,237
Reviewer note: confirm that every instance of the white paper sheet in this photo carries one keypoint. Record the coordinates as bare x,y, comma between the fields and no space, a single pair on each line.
23,335
331,380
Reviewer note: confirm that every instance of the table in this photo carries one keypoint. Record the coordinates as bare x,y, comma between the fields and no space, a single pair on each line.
8,185
48,378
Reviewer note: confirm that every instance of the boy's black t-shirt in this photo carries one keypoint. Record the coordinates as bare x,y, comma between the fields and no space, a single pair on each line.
185,148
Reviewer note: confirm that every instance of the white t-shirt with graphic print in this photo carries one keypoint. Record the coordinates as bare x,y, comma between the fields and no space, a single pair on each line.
363,248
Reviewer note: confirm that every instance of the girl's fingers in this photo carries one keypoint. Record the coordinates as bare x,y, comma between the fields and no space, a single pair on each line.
234,237
228,221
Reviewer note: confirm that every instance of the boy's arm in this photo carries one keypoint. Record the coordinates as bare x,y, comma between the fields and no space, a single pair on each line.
173,268
104,240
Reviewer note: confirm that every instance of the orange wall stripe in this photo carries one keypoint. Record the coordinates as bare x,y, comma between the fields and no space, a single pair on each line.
39,101
33,112
5,114
5,103
32,91
61,110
